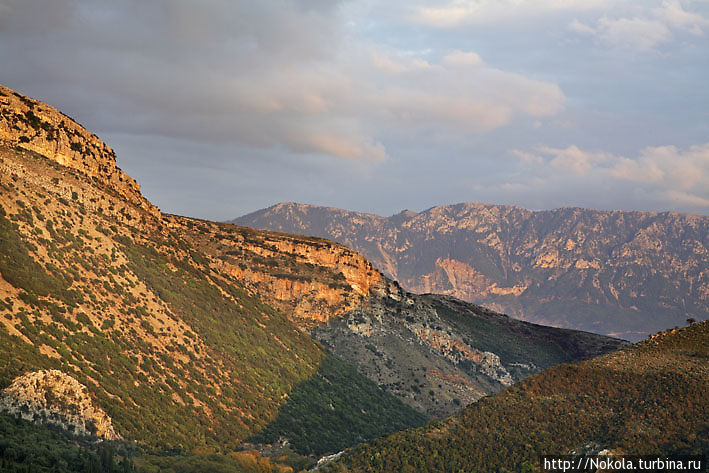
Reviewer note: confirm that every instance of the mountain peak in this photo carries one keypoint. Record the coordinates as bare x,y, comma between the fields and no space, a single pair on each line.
37,127
402,216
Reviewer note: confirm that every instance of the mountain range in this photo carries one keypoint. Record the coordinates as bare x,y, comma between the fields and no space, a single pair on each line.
134,340
625,274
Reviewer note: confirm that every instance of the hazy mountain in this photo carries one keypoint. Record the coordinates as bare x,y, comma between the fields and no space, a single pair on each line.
628,274
648,399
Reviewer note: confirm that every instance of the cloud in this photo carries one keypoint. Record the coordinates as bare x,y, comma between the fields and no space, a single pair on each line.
573,160
581,28
673,14
462,58
677,177
285,74
456,13
637,33
646,31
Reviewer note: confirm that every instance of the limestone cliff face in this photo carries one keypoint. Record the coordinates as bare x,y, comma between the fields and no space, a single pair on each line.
310,279
53,397
452,347
37,127
628,274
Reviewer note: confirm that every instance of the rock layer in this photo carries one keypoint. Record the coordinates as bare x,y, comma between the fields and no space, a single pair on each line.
35,126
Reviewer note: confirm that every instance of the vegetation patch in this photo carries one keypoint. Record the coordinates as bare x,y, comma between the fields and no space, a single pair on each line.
645,400
335,409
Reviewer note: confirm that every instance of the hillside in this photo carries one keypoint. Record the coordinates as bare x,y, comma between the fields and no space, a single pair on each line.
436,354
93,284
626,274
646,399
100,287
178,340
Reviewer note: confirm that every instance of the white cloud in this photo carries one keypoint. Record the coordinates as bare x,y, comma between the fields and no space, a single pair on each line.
672,13
574,160
581,28
677,177
636,33
647,29
462,58
455,13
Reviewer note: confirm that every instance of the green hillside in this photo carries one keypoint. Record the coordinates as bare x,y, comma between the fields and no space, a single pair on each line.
177,351
337,408
646,399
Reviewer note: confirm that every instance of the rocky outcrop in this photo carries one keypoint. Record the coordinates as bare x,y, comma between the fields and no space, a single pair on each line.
35,126
53,397
310,279
453,348
627,274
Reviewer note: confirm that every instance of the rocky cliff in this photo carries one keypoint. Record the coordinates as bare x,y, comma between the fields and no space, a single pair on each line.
53,397
311,279
628,274
32,125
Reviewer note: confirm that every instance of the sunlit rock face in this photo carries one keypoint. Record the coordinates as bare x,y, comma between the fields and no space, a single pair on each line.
53,397
38,127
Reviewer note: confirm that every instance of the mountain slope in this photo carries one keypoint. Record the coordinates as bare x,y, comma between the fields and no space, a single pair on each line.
174,353
121,322
438,354
627,274
647,399
99,286
434,353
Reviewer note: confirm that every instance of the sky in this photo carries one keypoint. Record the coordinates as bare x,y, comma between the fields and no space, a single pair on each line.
222,107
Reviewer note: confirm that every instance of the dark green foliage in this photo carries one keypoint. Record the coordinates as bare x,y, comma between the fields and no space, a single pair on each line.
338,408
32,119
211,463
25,446
645,400
505,339
17,357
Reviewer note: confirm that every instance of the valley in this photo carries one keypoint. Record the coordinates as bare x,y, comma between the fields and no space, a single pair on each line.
135,340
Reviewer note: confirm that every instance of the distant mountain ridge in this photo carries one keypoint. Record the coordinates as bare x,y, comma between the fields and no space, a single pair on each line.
627,274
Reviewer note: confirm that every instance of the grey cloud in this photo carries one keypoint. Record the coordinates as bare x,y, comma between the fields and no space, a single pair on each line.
665,175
